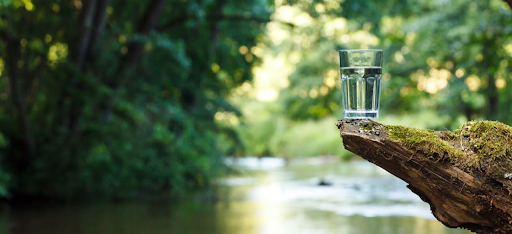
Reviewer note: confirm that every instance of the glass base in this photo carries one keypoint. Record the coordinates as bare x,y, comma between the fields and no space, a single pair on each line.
360,114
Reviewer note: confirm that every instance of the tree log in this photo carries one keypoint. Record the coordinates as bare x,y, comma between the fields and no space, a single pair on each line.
464,175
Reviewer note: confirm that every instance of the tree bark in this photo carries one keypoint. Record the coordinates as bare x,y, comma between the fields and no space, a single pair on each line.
135,49
100,21
13,55
474,197
128,63
492,97
84,34
509,2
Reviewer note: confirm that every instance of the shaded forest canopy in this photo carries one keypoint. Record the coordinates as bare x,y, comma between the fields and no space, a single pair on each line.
113,98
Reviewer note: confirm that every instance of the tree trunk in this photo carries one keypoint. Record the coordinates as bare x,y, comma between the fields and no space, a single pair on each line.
13,56
509,2
128,63
100,22
83,39
146,24
465,176
492,97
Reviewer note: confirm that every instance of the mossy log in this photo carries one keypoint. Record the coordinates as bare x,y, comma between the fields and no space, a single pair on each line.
465,175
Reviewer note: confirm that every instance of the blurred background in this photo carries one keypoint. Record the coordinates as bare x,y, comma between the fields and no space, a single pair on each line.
217,116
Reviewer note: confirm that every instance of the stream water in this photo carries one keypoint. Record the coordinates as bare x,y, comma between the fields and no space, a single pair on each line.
269,197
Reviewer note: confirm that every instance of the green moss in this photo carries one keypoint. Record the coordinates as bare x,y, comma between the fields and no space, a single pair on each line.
491,142
368,126
426,141
483,145
486,138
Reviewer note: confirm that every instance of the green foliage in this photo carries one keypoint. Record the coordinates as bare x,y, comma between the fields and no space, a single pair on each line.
451,57
277,136
256,134
309,138
445,63
130,111
142,105
426,119
307,95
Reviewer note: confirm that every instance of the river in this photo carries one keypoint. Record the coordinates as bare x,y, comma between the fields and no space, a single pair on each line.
269,196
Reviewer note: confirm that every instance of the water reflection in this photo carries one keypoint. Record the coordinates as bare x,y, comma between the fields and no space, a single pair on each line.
269,198
362,199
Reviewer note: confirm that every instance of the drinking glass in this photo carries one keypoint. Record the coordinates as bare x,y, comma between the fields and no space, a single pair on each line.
361,72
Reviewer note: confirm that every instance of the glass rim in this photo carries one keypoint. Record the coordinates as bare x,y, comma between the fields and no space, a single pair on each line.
361,50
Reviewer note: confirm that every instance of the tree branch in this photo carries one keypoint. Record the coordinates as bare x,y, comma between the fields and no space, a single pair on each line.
214,36
465,176
135,49
84,34
509,2
13,55
100,22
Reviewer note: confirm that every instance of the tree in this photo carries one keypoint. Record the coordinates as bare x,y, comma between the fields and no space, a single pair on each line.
110,98
452,59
